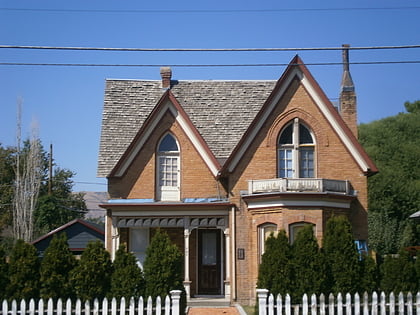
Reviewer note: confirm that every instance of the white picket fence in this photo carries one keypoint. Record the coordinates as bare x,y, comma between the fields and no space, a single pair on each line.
340,305
169,306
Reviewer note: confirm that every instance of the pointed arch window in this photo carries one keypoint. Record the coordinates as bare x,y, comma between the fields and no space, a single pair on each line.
168,169
296,151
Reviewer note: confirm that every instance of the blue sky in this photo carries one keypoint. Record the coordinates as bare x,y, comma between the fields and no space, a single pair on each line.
66,102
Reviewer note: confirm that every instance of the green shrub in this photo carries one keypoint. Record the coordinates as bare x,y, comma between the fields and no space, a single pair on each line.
55,269
127,277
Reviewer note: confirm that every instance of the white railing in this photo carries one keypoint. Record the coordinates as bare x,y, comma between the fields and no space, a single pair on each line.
170,306
348,304
299,185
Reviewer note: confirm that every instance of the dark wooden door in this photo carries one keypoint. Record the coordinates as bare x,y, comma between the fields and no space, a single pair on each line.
209,262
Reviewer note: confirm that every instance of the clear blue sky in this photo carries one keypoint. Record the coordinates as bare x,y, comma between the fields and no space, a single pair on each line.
67,102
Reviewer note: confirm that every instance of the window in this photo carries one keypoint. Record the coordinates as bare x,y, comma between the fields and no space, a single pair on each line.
296,158
264,232
168,169
139,240
295,228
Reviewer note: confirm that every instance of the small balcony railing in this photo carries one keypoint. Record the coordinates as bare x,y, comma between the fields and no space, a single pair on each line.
300,185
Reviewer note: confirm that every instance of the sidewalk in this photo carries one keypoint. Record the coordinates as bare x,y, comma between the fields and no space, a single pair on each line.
213,310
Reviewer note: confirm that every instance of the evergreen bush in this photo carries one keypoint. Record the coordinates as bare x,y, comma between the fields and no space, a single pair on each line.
308,267
341,256
275,269
91,277
127,278
55,269
23,272
4,279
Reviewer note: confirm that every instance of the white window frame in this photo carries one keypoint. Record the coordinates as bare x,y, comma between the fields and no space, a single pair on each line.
292,152
264,232
168,192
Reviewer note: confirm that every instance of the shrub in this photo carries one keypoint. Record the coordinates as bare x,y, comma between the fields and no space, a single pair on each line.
23,272
127,277
55,269
91,277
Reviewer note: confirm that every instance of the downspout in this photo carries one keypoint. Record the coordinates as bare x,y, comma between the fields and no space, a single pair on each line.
233,250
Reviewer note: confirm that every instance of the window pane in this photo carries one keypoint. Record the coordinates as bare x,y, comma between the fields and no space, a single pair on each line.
306,162
304,135
168,171
286,135
285,163
168,143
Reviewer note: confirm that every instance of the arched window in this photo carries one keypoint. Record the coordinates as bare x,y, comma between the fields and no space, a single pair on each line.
264,232
294,229
296,151
168,169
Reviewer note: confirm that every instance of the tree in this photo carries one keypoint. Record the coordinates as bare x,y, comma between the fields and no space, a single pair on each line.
91,277
127,277
163,266
7,177
394,145
275,270
307,264
341,256
23,272
398,273
55,269
369,279
4,271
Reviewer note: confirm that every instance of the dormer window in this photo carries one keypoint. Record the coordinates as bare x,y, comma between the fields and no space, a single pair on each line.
296,149
168,169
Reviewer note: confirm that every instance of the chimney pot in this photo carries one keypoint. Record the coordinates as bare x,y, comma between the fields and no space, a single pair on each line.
166,75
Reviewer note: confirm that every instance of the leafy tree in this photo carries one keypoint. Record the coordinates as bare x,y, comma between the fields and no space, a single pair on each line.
394,145
275,273
341,256
4,279
163,266
23,272
127,277
61,206
398,273
91,277
55,269
307,264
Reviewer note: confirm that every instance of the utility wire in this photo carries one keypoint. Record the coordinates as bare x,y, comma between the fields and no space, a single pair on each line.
203,65
175,11
205,49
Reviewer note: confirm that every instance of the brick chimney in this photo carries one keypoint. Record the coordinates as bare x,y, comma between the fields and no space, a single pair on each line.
348,103
166,74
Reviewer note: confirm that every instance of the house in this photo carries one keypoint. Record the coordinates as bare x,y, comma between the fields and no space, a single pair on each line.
79,233
220,165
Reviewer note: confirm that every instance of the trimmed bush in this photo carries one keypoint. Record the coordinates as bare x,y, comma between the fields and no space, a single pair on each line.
55,269
127,278
91,277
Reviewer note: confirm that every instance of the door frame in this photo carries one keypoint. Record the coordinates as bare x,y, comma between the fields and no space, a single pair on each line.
220,262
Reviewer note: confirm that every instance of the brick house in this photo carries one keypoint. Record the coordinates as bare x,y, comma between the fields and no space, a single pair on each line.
221,164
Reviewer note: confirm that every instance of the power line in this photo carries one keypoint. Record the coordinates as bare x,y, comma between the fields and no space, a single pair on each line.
205,49
204,65
177,11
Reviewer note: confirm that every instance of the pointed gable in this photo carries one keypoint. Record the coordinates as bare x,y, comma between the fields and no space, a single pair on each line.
297,70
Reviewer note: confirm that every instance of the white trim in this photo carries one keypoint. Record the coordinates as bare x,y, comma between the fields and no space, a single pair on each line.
263,119
185,127
168,213
297,203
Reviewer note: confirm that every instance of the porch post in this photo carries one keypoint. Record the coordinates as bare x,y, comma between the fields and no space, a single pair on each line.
187,282
115,237
227,261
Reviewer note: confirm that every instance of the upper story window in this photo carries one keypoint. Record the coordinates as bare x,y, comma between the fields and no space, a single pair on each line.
296,151
168,169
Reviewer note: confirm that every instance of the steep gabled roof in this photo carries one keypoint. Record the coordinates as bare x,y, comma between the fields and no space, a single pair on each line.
211,106
297,69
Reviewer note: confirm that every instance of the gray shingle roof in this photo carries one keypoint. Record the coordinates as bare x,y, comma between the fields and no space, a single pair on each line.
220,110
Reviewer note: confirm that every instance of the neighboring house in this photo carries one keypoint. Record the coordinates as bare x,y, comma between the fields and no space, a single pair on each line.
220,165
79,233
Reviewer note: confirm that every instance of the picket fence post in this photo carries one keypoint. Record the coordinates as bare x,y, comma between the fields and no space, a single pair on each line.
262,301
176,298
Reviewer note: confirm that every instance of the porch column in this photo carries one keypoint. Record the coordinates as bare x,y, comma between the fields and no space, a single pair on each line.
115,236
187,281
227,262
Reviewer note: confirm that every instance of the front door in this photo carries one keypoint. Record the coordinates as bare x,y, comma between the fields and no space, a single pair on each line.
209,262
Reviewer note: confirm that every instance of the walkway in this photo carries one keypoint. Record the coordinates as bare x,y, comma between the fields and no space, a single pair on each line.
213,311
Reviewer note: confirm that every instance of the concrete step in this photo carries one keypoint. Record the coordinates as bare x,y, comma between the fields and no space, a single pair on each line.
208,302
